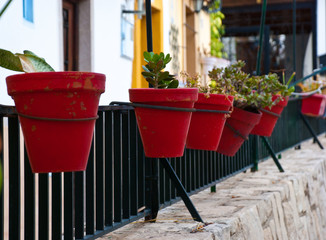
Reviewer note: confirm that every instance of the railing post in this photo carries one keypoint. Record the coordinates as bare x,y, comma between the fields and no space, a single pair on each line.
152,189
181,190
255,153
272,153
312,132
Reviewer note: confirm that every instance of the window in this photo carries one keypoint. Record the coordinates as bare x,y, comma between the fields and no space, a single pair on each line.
28,10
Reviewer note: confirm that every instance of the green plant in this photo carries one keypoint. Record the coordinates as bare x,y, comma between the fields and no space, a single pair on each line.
217,31
154,73
221,87
26,62
250,92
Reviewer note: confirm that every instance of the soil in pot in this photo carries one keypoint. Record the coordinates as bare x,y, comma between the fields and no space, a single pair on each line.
206,128
236,130
269,118
163,132
57,112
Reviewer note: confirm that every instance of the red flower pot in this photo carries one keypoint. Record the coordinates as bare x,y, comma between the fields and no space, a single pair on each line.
267,122
57,112
163,132
314,105
237,129
206,128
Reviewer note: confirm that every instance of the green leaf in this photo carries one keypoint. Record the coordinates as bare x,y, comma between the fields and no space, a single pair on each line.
147,56
148,74
159,65
174,84
145,68
167,59
150,81
32,63
10,61
163,75
156,58
27,52
27,62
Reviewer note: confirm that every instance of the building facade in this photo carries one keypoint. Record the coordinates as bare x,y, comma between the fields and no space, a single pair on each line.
104,36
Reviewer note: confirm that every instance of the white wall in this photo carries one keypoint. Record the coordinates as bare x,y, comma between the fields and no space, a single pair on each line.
44,36
106,50
321,27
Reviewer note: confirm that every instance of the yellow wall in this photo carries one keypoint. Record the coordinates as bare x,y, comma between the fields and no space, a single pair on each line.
178,17
140,42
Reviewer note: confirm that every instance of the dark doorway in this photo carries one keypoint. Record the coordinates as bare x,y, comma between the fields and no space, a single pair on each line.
70,46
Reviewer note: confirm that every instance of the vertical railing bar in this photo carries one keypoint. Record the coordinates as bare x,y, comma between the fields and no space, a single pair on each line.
193,169
162,184
234,162
198,166
216,160
188,171
29,203
108,168
125,128
79,205
14,179
90,192
99,171
214,166
140,159
68,227
132,156
117,168
211,163
183,178
223,170
178,171
173,189
208,167
168,186
203,169
56,206
231,163
43,193
240,161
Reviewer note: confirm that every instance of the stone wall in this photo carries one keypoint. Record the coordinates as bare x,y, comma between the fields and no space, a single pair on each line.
263,205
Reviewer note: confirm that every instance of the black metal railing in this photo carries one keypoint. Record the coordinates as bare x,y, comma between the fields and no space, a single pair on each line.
120,185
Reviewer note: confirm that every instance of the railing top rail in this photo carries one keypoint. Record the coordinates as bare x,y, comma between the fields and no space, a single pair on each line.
6,110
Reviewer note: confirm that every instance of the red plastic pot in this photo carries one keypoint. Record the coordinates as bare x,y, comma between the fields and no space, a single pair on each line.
237,129
206,128
57,112
268,121
163,132
314,105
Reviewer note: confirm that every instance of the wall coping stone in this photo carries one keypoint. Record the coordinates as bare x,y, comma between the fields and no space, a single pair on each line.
254,205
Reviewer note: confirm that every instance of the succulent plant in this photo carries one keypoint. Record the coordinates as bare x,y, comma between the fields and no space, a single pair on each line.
250,92
154,71
221,87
